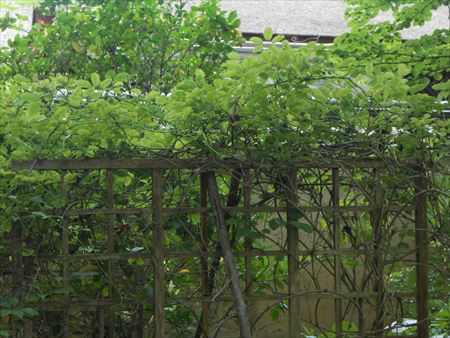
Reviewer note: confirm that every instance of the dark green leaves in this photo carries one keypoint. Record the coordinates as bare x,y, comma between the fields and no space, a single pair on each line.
294,217
302,226
275,223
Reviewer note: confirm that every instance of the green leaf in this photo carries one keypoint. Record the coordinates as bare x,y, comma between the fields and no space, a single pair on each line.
403,245
29,311
268,33
4,313
296,215
39,214
84,84
30,97
95,78
251,234
232,16
15,313
442,85
302,226
199,73
275,314
82,274
76,46
276,223
234,56
105,83
258,49
278,38
20,78
21,17
122,77
403,70
351,262
152,95
240,157
369,69
63,290
255,39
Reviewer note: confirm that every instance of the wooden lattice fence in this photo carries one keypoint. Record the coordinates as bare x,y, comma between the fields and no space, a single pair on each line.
306,241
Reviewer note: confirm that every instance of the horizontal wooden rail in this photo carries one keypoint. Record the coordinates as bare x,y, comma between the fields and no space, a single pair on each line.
310,295
198,254
262,209
200,164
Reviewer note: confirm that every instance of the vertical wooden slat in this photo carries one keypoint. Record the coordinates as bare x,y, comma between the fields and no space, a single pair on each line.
361,317
17,267
28,328
111,248
423,321
65,253
138,318
158,255
248,245
204,260
378,264
101,323
337,257
293,250
17,271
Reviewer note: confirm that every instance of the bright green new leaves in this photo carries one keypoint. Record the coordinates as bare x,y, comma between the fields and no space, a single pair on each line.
295,102
95,78
405,12
312,99
62,117
268,33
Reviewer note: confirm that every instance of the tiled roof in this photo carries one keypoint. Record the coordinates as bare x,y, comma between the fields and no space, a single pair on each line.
309,17
318,18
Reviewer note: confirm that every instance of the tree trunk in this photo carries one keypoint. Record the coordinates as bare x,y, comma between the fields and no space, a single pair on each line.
232,201
238,298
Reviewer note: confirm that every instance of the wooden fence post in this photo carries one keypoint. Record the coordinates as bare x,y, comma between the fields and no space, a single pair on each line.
17,266
337,258
378,263
101,323
158,254
423,322
248,245
111,248
293,251
204,260
65,254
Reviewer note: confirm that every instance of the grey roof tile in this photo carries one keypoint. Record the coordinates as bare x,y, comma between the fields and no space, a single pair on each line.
309,17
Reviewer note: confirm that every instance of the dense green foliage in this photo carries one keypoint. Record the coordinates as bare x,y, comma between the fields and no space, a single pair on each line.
152,78
156,42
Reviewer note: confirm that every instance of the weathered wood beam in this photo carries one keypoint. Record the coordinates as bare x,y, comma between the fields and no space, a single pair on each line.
199,164
244,209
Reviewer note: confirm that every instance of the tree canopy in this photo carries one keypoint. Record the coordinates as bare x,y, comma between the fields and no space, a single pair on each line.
102,67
